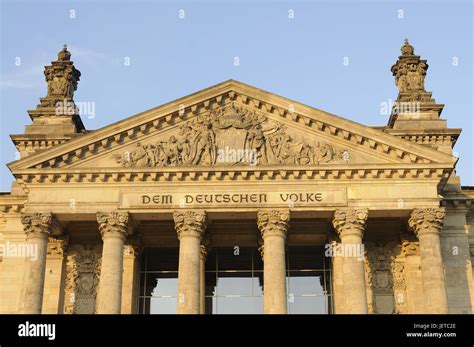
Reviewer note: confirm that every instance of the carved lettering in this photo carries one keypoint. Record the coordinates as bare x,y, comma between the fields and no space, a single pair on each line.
284,199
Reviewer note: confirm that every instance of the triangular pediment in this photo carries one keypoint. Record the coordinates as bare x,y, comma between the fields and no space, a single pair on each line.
232,125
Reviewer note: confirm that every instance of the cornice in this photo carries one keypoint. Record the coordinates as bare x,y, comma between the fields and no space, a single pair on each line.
178,111
435,172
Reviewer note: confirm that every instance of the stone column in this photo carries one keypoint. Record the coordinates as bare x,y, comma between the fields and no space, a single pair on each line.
38,227
202,273
131,274
190,227
53,298
114,228
350,225
273,226
427,224
337,278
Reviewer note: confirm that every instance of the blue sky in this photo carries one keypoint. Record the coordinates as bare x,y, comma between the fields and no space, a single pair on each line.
300,58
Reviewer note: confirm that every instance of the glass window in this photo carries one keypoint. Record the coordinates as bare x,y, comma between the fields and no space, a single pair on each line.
163,305
238,305
159,281
308,304
234,281
234,258
306,282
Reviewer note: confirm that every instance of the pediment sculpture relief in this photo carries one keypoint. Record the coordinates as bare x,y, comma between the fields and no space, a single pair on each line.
231,135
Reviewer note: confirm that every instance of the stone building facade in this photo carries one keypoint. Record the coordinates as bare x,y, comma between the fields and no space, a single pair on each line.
233,199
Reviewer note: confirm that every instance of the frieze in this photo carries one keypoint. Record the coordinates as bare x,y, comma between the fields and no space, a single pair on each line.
227,136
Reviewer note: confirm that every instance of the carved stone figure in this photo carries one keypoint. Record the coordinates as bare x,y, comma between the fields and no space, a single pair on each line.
233,127
256,142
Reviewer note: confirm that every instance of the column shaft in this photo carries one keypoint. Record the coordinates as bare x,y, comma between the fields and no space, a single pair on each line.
427,224
337,284
273,226
350,225
190,226
38,227
202,275
114,227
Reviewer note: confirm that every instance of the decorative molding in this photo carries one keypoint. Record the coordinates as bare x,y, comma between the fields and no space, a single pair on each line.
12,207
29,146
427,221
362,172
273,223
430,139
350,221
462,202
190,223
39,224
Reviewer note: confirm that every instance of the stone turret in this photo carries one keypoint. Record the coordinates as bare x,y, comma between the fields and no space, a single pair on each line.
414,107
416,115
56,119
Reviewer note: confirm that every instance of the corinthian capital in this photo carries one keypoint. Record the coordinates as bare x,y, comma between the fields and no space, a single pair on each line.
427,220
274,222
350,221
39,224
190,223
114,224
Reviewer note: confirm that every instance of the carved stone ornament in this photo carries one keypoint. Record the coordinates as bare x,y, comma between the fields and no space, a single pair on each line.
57,246
82,278
409,72
385,276
350,221
39,224
114,223
383,264
231,135
273,223
190,223
62,78
427,220
410,248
